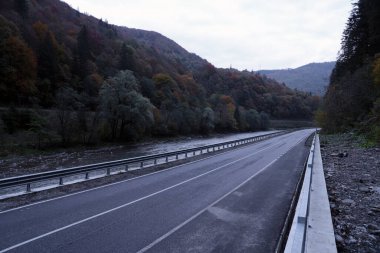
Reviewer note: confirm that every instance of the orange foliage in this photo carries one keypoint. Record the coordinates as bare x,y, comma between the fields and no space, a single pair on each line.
40,29
226,99
23,62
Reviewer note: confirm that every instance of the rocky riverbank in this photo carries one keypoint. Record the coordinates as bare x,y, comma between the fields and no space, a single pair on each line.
353,183
16,165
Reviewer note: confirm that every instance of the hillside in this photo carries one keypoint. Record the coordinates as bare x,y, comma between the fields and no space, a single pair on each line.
118,83
312,77
352,100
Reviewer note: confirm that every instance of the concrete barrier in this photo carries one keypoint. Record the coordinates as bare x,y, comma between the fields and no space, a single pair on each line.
312,230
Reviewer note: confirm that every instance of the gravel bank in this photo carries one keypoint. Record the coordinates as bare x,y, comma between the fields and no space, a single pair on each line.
353,183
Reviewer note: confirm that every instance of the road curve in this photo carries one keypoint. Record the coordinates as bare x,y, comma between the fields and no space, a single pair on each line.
236,201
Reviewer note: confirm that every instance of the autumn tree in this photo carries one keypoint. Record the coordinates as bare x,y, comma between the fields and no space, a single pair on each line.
224,109
17,66
52,62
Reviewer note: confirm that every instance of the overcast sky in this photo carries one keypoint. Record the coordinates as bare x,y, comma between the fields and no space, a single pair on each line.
246,34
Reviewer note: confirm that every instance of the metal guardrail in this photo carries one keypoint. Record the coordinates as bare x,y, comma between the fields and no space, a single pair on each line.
27,180
297,235
289,219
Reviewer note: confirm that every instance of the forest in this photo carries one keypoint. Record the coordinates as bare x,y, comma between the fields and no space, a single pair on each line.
68,77
352,101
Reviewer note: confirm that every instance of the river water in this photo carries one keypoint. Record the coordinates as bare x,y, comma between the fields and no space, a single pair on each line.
20,165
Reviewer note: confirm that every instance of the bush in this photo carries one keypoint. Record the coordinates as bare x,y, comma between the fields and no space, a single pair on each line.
16,120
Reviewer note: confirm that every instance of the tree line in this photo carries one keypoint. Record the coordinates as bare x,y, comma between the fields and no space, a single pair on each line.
352,100
84,80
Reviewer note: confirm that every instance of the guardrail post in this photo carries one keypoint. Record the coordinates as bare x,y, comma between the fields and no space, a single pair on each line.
27,180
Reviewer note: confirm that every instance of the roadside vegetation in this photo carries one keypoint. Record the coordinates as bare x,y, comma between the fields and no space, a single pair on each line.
67,78
352,101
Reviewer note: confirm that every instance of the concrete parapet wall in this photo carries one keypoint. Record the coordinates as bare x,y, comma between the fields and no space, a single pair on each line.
312,229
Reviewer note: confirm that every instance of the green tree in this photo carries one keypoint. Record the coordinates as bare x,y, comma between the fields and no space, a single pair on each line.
224,109
207,121
15,120
264,120
66,103
22,7
126,60
241,118
128,113
253,120
82,53
40,127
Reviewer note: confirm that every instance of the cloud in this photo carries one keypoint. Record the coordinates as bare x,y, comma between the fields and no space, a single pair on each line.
247,34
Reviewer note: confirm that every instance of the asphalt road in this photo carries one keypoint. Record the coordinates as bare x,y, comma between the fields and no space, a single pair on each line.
236,201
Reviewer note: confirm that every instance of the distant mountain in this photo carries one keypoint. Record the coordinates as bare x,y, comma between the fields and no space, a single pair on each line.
313,77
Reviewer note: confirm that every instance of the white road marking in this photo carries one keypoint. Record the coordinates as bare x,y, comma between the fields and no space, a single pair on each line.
123,181
158,240
129,203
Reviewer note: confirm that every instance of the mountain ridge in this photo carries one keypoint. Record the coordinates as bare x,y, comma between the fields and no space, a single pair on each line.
312,77
73,61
